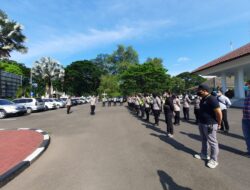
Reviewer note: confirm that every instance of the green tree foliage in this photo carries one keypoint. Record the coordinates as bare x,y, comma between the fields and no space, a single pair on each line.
82,77
11,68
11,37
103,62
177,85
191,79
123,58
148,77
110,85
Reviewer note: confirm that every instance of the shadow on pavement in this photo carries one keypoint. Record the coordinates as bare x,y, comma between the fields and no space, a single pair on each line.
156,129
168,183
175,144
232,135
221,146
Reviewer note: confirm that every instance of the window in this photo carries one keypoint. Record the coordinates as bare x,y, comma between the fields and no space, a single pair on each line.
29,100
6,102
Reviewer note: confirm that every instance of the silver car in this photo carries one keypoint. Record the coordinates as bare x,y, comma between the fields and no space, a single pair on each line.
9,108
32,104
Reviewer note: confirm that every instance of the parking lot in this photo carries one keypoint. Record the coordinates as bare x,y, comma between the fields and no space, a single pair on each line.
116,150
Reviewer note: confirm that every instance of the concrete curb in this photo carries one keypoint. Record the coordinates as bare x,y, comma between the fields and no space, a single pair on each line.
13,172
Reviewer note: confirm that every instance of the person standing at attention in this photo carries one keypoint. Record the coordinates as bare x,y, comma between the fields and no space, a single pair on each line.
186,102
246,122
177,109
68,104
156,108
147,106
224,104
197,109
169,112
93,101
210,122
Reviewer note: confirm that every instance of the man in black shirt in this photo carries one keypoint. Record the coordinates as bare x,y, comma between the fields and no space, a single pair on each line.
209,122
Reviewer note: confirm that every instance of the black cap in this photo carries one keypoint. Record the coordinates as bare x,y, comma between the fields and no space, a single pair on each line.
203,87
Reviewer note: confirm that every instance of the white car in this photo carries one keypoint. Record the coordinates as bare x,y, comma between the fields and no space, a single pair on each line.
59,103
49,104
32,104
10,108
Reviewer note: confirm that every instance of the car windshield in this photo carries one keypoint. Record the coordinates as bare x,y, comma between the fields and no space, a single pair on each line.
6,102
39,100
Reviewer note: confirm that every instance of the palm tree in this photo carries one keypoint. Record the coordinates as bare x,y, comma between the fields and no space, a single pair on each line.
11,37
49,70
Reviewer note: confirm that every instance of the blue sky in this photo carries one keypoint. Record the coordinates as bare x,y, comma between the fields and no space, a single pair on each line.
184,33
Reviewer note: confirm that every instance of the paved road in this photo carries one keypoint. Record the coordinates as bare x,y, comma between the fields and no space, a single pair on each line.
114,150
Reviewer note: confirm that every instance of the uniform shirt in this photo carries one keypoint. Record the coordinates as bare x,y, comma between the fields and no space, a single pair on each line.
246,108
186,102
147,102
224,102
207,106
177,104
197,103
93,101
68,102
157,103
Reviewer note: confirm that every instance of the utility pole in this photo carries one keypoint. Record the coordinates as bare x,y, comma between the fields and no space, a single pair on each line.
31,93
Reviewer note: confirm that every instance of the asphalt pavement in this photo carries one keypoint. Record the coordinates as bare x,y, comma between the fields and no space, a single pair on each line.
115,150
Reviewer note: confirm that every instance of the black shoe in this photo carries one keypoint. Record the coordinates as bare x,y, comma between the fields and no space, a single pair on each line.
246,154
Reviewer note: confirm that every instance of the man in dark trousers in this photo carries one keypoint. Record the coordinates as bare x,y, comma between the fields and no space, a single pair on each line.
68,104
224,104
169,113
209,122
93,101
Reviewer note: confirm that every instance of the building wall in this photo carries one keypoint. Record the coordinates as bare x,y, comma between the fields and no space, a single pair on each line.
9,84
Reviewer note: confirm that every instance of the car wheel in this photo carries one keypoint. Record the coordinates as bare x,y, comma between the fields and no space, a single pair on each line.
2,114
57,106
46,108
29,110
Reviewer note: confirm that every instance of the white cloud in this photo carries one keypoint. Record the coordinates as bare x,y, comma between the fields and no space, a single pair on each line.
74,42
183,59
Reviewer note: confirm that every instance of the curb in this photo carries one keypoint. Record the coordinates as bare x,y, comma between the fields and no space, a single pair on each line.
16,170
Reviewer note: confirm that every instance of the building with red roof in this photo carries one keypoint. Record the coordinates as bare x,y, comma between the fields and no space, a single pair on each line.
234,64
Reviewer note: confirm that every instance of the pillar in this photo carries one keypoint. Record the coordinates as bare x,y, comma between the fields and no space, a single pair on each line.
239,84
224,82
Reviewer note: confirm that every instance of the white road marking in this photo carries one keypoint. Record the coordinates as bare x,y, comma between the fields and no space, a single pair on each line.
9,119
34,154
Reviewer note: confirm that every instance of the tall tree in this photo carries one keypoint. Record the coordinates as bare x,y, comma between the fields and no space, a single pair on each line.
109,85
123,57
82,77
104,63
177,85
11,36
191,79
49,70
147,77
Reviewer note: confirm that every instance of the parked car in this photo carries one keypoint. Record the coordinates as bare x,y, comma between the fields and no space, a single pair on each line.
9,108
32,104
59,103
49,104
78,100
63,100
74,102
83,100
